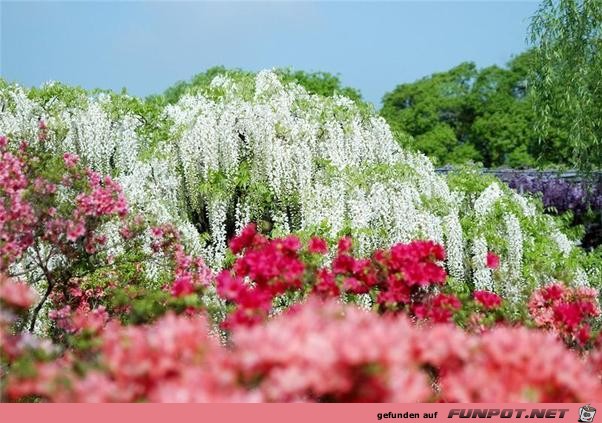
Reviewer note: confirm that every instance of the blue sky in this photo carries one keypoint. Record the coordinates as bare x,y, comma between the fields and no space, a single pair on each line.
147,46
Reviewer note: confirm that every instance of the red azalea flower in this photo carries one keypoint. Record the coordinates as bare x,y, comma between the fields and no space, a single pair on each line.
182,286
326,285
487,299
584,334
291,243
317,246
344,245
493,261
440,309
553,292
229,287
245,239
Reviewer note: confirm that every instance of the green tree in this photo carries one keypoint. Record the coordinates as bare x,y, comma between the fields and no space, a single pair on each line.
566,76
467,114
435,111
503,126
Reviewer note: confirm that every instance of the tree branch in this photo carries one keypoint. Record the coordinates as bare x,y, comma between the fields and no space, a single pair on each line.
44,266
36,311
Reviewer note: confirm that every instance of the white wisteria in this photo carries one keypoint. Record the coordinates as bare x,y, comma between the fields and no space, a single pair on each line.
454,245
482,274
565,245
487,199
515,246
250,150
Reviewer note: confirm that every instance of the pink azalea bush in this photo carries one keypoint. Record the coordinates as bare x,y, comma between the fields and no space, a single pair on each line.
55,210
566,311
317,351
335,352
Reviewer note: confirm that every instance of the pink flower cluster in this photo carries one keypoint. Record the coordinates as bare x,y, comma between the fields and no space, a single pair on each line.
16,298
42,130
317,351
565,310
440,308
173,360
324,351
31,210
334,352
16,294
22,220
273,266
74,310
487,300
190,273
519,365
70,160
17,219
106,198
267,268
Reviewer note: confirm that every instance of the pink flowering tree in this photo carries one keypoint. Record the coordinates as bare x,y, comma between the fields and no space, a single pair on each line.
54,216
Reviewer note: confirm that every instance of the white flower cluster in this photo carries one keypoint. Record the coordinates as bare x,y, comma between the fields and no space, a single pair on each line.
527,207
279,132
18,114
102,142
565,245
454,245
487,199
482,274
515,246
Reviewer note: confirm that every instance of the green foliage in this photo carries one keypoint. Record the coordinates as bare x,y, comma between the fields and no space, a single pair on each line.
432,110
154,125
467,114
567,89
48,94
